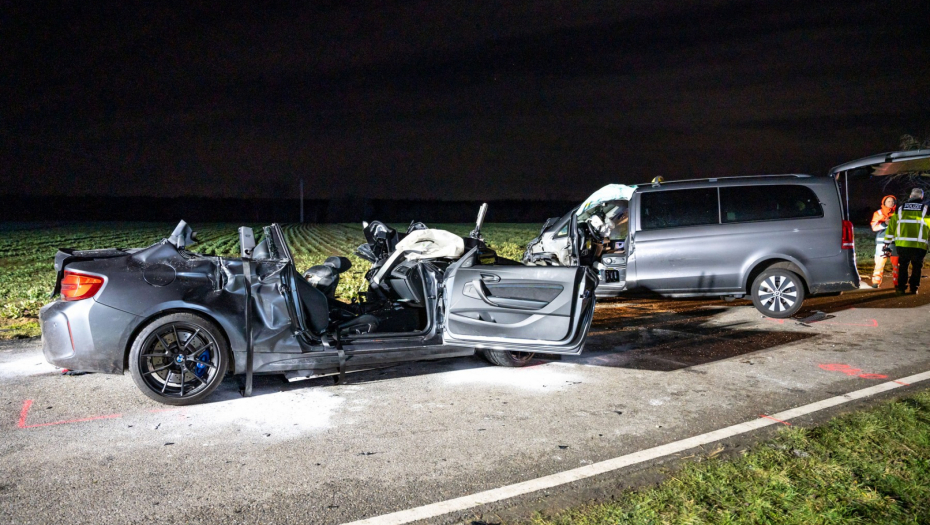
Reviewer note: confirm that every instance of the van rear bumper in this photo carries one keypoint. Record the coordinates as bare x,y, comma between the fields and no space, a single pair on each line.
833,274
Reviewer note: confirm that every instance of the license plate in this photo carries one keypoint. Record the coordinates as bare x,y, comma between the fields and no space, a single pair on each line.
611,276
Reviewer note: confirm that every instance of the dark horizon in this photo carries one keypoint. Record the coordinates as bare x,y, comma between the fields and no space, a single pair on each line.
380,100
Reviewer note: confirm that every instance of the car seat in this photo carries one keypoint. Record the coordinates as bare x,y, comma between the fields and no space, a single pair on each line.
325,277
315,307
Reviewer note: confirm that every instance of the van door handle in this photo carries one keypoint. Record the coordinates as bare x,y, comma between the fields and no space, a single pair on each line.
490,278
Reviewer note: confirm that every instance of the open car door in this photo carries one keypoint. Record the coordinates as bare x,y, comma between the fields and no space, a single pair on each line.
541,309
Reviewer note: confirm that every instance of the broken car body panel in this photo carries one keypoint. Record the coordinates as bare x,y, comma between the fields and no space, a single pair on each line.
604,208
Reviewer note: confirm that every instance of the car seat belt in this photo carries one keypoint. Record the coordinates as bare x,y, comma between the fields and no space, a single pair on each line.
341,378
246,245
249,349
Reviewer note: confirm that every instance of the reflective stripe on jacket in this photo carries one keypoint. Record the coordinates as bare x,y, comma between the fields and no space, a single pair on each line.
908,227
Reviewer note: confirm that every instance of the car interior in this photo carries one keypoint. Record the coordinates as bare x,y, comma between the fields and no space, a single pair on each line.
405,272
603,230
609,221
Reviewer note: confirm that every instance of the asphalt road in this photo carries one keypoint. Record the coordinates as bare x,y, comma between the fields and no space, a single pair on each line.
91,449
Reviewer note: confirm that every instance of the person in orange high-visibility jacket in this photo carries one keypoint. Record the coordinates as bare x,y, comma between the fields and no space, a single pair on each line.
909,230
879,223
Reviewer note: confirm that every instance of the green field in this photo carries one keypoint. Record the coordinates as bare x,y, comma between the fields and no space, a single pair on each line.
27,252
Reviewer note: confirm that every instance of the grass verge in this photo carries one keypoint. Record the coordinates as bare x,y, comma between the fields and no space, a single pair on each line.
866,467
19,328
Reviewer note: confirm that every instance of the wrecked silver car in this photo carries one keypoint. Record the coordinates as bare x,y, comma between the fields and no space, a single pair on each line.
180,321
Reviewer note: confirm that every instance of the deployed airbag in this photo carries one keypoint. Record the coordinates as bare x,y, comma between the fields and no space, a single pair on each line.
431,244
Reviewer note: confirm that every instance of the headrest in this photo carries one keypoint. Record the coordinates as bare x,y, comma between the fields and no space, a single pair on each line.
321,275
338,264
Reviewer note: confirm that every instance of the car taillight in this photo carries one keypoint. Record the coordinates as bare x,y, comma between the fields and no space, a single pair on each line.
77,286
849,238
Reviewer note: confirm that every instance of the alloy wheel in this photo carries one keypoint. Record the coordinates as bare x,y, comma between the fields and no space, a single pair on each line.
179,360
778,293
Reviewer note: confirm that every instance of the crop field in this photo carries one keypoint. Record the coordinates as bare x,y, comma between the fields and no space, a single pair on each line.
27,252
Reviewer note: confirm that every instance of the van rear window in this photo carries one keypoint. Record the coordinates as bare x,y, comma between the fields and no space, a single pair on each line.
768,203
677,208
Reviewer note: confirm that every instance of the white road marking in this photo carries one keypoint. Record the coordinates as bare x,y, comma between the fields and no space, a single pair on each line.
547,482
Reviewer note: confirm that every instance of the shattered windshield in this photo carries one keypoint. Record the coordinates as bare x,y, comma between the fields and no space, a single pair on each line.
606,210
610,193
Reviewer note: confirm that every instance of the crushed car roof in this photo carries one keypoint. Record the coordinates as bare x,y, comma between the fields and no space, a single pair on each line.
611,192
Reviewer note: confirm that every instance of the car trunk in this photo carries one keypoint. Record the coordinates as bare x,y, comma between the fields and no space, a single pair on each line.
66,256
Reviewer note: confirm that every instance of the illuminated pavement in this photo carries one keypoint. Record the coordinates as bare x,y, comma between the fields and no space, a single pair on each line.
92,449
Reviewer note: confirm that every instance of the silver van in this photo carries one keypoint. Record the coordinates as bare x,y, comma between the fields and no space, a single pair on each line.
777,238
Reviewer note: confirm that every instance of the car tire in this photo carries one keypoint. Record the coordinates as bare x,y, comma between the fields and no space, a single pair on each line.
507,358
778,293
179,359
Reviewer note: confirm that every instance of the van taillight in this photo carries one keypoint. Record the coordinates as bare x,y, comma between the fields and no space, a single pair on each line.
76,286
849,237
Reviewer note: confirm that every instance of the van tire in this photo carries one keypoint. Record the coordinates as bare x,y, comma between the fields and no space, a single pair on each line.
507,358
778,293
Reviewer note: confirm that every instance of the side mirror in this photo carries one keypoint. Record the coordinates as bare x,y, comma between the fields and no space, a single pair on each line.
246,241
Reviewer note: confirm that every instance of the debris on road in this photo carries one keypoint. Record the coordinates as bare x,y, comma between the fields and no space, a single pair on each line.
813,318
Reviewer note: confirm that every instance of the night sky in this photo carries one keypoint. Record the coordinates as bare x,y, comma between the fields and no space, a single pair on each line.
449,100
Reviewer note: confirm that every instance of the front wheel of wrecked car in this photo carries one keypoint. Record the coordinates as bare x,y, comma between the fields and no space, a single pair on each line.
507,358
778,293
179,359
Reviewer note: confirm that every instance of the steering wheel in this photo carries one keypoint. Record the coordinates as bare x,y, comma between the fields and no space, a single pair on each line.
592,231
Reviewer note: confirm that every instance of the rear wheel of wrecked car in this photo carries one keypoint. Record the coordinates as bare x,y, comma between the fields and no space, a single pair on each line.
778,293
507,358
179,359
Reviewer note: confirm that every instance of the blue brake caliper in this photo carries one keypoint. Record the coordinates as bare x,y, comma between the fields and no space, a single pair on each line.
200,370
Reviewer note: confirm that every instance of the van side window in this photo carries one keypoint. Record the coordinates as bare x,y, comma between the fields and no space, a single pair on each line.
768,203
677,208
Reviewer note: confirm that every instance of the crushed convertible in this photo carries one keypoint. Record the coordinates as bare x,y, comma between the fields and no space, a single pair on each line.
180,321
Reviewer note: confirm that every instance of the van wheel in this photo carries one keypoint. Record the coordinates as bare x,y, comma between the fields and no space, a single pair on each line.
507,358
178,359
778,293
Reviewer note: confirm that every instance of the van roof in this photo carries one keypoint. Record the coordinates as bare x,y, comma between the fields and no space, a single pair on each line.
734,178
